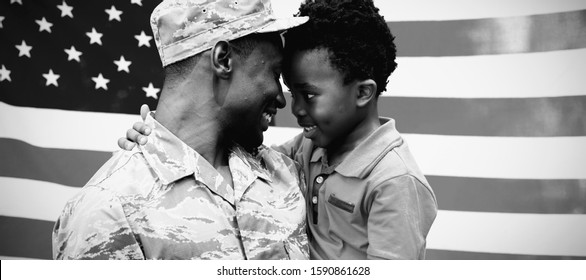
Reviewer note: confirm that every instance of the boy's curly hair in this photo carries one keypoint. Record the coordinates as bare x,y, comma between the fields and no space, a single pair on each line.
356,36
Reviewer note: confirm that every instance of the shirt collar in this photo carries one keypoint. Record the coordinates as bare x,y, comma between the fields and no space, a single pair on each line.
360,162
172,159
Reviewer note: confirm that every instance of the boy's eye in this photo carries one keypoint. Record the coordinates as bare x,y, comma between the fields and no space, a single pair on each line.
309,95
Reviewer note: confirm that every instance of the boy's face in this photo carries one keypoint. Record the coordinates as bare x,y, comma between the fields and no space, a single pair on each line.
324,106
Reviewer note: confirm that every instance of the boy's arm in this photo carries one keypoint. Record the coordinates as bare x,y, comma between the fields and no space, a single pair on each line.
291,147
400,217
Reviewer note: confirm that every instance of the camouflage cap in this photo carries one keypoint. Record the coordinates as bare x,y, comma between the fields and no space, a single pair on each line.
184,28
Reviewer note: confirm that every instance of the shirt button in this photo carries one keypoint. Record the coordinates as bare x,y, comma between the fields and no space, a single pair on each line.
319,179
314,199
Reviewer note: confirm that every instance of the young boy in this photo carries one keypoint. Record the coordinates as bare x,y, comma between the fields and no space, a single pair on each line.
367,198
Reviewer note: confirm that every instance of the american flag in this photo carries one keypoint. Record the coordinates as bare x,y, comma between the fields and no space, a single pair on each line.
490,95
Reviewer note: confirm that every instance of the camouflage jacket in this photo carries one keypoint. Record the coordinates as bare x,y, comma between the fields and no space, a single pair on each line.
165,201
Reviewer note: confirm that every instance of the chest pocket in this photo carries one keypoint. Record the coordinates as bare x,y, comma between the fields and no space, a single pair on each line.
342,204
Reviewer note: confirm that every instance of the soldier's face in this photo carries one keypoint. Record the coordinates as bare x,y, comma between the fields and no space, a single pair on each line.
257,93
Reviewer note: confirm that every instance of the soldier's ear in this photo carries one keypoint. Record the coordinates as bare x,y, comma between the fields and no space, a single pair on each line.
222,59
366,91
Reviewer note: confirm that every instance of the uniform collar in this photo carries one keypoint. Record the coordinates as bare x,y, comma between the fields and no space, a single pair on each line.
172,159
360,162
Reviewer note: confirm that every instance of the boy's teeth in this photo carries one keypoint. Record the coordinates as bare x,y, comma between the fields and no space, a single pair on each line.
309,128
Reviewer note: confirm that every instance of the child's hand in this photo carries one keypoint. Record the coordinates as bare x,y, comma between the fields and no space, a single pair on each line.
138,132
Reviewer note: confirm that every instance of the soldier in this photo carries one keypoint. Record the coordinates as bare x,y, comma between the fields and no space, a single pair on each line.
367,197
201,188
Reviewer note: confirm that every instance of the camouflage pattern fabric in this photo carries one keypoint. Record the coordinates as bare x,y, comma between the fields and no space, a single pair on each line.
183,28
164,201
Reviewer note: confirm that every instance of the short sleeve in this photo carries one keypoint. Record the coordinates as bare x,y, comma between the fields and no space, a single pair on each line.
401,212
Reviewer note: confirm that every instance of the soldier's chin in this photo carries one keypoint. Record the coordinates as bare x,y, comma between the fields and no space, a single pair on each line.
251,141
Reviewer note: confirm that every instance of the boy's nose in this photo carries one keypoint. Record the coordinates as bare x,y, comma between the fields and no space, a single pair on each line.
297,108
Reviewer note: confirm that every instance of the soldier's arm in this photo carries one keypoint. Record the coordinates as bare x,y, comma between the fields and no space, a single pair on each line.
94,226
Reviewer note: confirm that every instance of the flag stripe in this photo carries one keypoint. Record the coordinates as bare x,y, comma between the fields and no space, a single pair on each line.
16,258
543,74
51,128
509,195
25,238
65,167
500,157
536,117
454,193
538,33
461,255
441,155
506,233
416,10
31,199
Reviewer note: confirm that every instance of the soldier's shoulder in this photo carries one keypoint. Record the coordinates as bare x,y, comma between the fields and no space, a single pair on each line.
124,173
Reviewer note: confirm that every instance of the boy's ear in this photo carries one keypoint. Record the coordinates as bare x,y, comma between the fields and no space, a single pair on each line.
366,92
222,57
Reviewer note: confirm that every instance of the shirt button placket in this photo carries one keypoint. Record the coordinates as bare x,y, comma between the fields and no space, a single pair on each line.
318,181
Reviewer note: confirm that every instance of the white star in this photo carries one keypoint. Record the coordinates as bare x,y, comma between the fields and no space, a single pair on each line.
24,49
1,20
143,39
151,91
113,14
44,25
65,10
101,82
95,37
16,1
137,2
123,64
4,74
73,54
51,78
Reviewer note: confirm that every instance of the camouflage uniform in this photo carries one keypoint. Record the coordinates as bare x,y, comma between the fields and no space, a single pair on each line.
165,201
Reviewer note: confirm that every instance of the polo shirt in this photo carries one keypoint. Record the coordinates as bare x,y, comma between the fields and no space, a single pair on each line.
376,204
165,201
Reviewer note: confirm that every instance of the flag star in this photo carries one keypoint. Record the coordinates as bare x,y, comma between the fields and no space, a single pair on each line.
95,37
44,25
65,10
113,14
143,39
16,1
123,64
101,82
4,74
1,20
151,91
73,54
137,2
24,49
51,78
